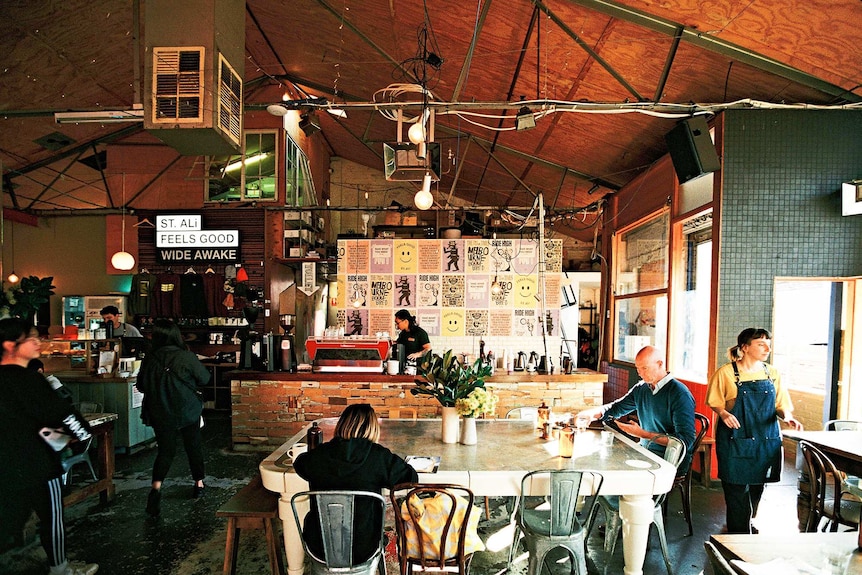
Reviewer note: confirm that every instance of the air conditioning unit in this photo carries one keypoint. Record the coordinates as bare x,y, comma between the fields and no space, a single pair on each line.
402,162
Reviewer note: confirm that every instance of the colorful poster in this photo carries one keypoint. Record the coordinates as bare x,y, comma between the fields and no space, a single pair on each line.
453,253
381,321
452,322
430,252
381,256
478,291
500,323
552,322
553,255
429,320
381,290
452,290
525,323
503,296
501,252
404,293
357,290
355,255
405,256
357,322
476,322
526,291
428,290
478,256
526,260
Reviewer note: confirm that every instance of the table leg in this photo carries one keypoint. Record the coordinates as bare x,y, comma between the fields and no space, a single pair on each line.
106,457
636,512
292,544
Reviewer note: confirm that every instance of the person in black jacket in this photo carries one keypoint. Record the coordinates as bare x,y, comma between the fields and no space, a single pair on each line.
31,471
352,460
169,377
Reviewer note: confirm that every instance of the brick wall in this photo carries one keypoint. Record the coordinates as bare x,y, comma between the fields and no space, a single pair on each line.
266,412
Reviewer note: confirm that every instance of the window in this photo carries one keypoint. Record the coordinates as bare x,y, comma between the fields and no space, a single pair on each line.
640,286
299,187
249,176
689,354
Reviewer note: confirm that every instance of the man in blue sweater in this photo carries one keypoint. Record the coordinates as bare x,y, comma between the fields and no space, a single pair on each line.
663,405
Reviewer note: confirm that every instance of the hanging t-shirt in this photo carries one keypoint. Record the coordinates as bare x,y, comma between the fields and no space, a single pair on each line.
166,296
140,294
214,294
192,299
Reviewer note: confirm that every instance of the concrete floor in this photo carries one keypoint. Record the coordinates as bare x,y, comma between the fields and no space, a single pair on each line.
188,539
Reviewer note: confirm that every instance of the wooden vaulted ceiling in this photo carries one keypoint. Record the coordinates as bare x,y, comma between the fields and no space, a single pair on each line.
655,54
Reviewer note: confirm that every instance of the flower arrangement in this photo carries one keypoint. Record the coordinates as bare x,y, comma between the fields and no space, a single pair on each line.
480,400
444,378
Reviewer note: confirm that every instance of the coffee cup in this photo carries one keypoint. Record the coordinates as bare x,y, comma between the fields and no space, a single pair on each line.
393,366
296,449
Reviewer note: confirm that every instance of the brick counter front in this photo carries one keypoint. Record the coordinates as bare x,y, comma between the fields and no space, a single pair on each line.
269,407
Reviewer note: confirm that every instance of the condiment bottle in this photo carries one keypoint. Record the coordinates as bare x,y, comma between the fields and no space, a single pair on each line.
544,414
567,441
314,437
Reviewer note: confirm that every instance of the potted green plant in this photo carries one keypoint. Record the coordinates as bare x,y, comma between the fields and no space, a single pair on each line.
23,300
447,380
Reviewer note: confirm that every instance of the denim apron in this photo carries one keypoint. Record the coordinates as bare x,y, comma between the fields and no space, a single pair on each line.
751,454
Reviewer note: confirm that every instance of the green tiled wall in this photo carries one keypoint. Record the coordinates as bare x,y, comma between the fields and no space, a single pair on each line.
781,208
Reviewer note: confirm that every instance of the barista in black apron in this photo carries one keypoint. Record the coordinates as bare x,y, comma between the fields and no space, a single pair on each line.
748,438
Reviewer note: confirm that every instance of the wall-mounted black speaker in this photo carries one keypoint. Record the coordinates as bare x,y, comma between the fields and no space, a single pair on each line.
691,149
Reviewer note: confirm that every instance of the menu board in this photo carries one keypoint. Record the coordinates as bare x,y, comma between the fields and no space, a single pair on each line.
464,287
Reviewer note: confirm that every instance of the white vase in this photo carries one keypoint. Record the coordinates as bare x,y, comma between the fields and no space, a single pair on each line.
450,425
468,431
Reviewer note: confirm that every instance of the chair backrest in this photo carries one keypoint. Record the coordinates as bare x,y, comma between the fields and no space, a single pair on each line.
824,481
562,489
842,425
336,511
674,453
435,525
702,422
88,407
402,413
529,413
719,564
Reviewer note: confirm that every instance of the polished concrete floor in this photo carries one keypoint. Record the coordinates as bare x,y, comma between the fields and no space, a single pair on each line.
188,539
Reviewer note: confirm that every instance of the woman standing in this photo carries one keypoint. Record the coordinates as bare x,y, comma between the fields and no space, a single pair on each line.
31,471
169,377
415,339
352,460
749,399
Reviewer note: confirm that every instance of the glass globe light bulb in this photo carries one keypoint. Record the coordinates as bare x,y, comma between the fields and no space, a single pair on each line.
416,133
123,260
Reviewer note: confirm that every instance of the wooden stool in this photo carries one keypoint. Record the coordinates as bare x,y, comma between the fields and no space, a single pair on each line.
704,451
253,507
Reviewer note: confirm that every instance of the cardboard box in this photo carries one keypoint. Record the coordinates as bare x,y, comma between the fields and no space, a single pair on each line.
409,220
392,218
294,218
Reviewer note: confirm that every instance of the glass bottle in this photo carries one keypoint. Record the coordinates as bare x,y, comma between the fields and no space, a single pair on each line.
314,437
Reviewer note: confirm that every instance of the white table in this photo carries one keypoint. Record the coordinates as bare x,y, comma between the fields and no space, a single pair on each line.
507,449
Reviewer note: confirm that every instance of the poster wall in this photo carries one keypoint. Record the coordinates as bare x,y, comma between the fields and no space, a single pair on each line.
447,285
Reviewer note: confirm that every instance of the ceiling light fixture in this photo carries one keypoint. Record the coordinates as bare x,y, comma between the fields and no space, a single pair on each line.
525,119
338,112
249,160
100,117
423,198
13,277
123,260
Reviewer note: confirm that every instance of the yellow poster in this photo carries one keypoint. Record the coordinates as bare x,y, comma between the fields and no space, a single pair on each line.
405,256
526,291
452,323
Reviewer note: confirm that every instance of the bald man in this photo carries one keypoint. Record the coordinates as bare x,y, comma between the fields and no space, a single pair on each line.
663,405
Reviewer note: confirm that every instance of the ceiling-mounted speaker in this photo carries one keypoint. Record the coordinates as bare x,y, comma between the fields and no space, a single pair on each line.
691,149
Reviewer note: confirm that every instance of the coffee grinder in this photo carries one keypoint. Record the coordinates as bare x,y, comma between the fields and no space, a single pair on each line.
252,355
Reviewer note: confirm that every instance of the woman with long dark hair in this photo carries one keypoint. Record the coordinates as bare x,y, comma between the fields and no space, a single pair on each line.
414,338
169,377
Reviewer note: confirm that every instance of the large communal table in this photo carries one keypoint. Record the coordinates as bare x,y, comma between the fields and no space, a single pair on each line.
506,450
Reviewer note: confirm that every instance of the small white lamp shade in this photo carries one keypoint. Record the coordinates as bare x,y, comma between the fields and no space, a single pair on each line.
123,261
13,277
423,198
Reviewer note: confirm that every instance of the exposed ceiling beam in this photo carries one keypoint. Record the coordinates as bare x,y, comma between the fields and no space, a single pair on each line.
717,45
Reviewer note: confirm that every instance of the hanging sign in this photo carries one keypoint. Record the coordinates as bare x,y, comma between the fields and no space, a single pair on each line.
308,283
181,239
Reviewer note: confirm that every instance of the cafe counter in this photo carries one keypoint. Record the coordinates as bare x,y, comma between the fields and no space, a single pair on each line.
269,407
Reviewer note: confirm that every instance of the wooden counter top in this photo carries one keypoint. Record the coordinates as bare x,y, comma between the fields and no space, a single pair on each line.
578,376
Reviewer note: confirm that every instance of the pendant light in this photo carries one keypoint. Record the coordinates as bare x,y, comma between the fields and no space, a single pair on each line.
423,198
123,260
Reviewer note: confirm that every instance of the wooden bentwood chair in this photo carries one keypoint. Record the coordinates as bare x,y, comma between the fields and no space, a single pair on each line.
826,498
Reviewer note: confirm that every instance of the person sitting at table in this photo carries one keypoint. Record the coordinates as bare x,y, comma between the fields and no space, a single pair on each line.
749,399
352,460
664,406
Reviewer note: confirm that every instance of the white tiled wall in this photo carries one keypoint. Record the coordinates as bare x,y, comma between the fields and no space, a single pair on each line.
498,345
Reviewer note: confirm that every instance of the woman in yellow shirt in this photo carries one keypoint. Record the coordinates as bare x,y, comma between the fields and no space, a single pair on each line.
749,399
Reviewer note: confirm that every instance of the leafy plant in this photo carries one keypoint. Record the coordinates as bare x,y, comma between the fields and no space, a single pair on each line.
447,380
23,300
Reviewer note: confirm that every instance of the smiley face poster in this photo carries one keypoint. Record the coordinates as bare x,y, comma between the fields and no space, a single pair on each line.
526,291
452,323
405,256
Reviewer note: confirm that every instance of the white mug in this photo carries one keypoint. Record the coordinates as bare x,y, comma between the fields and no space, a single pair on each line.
296,449
392,366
